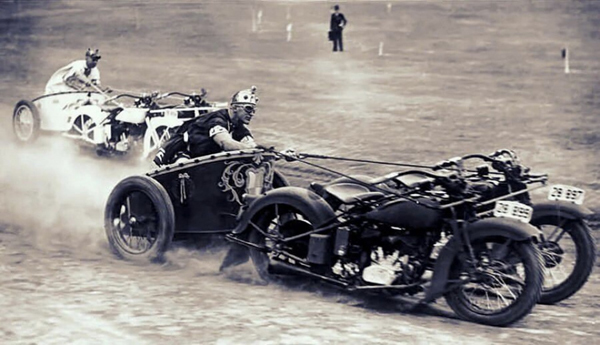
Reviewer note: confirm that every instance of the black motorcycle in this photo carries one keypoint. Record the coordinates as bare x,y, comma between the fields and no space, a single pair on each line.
381,236
567,246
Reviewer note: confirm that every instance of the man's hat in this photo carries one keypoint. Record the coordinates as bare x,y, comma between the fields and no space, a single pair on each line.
94,55
336,7
247,96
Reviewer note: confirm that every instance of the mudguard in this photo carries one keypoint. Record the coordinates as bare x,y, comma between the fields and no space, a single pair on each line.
560,208
513,229
279,180
300,198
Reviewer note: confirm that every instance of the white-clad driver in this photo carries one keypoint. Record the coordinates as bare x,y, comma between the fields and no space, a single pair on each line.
76,76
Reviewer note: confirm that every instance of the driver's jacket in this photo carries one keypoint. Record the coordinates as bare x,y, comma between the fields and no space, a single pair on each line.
76,69
195,137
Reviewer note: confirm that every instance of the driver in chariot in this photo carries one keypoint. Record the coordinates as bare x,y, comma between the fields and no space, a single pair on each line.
221,130
76,76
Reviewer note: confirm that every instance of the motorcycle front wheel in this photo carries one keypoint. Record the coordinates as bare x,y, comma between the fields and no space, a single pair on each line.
498,286
568,252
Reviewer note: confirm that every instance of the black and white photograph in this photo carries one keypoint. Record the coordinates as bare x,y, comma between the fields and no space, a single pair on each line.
299,172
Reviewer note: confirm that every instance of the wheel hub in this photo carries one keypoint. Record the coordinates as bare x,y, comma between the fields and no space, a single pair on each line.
552,253
24,123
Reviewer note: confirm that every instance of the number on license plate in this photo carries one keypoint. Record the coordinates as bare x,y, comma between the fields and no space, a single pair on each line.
514,210
566,193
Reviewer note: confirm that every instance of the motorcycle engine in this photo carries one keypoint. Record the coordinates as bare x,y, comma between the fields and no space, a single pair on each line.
382,255
392,267
385,267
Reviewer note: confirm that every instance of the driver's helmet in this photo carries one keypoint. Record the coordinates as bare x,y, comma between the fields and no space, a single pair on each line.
95,55
245,97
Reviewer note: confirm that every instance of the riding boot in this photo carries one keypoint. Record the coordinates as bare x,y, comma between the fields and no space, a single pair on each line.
236,255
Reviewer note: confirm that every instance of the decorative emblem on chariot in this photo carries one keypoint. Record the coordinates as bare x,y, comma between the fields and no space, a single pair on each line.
184,187
241,178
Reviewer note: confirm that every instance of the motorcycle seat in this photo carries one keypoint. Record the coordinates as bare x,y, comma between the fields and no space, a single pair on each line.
346,193
414,180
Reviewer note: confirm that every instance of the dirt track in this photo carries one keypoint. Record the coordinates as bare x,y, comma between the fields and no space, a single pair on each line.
483,77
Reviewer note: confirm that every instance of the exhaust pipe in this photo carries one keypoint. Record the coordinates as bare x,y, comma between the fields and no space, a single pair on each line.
283,268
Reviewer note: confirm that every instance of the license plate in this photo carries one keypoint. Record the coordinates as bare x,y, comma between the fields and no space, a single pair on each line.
566,193
514,210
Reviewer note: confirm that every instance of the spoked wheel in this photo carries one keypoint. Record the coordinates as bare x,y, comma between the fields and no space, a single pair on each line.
26,122
152,143
501,286
84,126
139,219
275,223
568,252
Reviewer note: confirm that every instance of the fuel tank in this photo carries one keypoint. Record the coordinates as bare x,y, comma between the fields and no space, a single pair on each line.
403,213
132,115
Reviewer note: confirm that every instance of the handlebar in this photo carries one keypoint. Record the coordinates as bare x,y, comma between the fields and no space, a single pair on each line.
182,94
126,95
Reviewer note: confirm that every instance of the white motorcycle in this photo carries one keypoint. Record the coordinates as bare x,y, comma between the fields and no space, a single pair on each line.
104,123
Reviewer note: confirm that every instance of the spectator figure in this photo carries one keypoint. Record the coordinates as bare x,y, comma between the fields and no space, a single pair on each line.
336,25
77,75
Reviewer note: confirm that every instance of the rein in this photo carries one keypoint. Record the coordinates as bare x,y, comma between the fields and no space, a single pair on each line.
300,158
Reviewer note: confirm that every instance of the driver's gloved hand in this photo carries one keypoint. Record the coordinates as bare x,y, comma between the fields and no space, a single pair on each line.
262,147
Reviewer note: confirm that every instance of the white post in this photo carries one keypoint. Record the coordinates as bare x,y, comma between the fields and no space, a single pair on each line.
565,54
380,48
389,7
289,32
259,17
253,20
137,19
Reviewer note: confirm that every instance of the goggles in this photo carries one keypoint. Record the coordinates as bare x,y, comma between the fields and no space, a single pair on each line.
249,109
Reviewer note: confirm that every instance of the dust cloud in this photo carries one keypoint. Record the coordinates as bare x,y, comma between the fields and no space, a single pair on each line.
55,194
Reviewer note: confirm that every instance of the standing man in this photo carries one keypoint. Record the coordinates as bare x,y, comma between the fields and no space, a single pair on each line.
336,25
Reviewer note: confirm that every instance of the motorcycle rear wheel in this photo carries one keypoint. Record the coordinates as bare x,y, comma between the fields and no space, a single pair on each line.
280,220
504,287
150,145
564,238
83,126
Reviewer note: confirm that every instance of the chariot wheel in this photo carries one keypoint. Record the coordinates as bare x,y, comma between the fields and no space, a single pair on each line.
568,252
139,219
500,286
84,126
26,122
